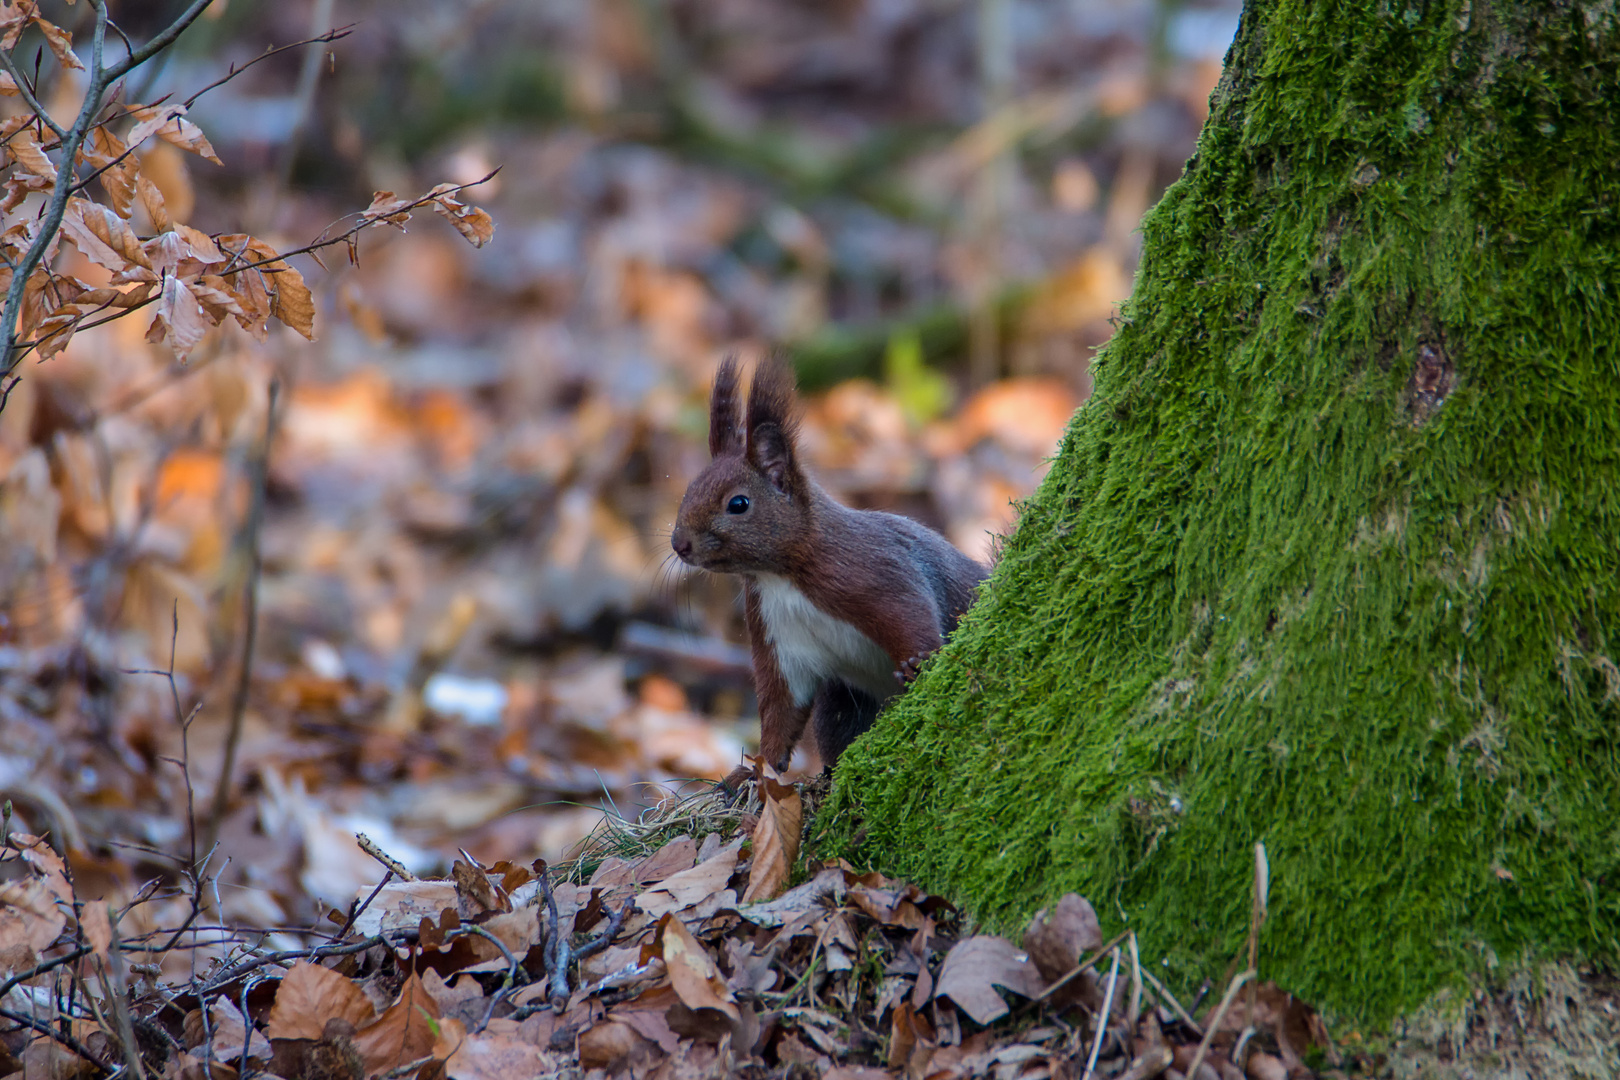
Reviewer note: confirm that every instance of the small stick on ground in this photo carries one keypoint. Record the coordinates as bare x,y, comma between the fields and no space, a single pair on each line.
391,864
1215,1020
1103,1018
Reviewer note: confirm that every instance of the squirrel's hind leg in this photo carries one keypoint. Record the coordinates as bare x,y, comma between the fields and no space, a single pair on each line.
839,714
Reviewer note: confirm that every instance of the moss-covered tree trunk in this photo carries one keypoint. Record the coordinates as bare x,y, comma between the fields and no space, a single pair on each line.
1331,559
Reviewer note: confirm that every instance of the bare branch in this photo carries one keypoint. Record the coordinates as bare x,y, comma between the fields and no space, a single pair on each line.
335,34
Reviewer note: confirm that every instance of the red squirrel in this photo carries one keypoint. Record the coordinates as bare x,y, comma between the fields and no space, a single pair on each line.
842,605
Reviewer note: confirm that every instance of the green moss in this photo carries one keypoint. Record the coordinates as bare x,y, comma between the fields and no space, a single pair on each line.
1330,560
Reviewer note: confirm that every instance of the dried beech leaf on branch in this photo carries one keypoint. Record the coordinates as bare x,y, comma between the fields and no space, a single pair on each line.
19,187
54,332
152,201
105,238
25,150
168,123
61,43
289,298
106,151
180,317
8,85
476,225
386,206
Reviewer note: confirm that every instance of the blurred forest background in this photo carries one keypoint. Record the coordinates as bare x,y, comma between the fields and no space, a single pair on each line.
468,630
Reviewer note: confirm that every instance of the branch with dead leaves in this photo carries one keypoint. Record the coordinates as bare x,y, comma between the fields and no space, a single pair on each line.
195,280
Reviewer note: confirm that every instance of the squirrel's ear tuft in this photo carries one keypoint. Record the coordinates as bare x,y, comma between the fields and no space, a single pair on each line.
773,423
725,411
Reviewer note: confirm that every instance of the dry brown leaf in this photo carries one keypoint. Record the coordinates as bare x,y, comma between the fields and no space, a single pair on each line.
692,971
53,333
975,967
705,881
96,926
19,187
406,1031
386,206
106,151
105,238
61,43
152,200
25,150
776,840
471,222
614,1045
168,123
494,1055
180,317
231,1034
830,881
309,996
8,85
290,299
29,917
14,19
183,249
292,302
1057,941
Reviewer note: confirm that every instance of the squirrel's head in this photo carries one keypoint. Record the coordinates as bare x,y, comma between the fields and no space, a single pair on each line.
747,512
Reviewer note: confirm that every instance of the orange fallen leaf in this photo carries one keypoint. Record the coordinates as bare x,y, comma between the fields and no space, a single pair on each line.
309,996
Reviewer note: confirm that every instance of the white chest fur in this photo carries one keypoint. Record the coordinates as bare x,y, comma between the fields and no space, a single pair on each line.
812,645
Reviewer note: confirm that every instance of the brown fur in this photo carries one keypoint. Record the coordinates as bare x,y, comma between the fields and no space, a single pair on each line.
898,582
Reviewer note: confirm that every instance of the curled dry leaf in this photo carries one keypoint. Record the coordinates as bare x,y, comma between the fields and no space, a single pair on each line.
386,206
476,225
776,840
25,150
152,200
692,971
309,996
180,317
168,123
61,43
975,967
120,173
8,85
289,299
105,238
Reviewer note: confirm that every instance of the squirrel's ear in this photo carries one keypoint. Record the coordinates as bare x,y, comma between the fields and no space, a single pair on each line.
773,423
770,450
725,411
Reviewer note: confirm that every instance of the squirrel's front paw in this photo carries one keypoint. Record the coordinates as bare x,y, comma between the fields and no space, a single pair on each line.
909,669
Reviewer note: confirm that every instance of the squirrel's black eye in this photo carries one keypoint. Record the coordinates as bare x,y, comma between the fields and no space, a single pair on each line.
737,505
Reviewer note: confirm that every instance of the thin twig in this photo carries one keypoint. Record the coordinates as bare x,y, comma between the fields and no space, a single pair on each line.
391,864
62,1037
356,910
1167,998
250,615
1103,1018
1215,1021
335,34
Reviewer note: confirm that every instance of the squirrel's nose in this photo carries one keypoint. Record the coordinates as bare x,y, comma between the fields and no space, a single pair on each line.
682,544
